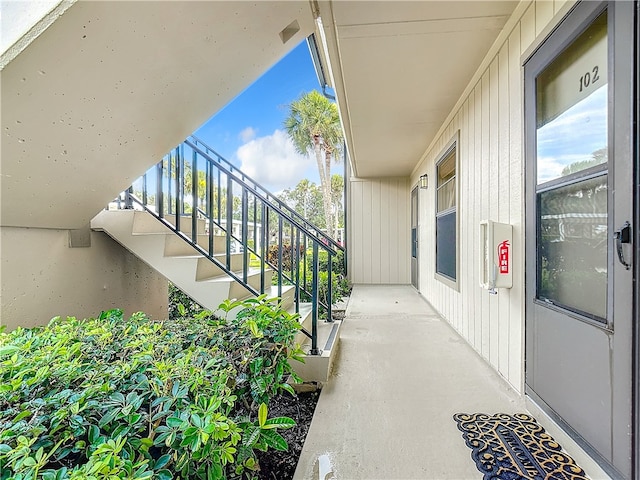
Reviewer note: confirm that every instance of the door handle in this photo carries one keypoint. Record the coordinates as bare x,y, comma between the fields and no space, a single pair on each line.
623,236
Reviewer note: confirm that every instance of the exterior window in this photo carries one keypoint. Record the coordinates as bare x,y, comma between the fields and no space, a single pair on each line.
446,210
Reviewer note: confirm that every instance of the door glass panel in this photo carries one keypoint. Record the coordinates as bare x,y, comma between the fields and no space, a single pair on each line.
571,101
571,160
572,247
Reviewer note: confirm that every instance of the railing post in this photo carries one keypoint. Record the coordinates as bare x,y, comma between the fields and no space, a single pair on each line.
179,183
219,199
144,189
159,199
194,197
291,243
314,302
245,234
128,200
210,204
264,221
229,225
297,282
255,224
170,167
329,286
280,256
304,264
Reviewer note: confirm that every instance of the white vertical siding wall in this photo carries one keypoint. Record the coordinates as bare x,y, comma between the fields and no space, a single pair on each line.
379,231
489,120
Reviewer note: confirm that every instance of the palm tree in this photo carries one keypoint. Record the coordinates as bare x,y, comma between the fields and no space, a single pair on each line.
314,126
337,192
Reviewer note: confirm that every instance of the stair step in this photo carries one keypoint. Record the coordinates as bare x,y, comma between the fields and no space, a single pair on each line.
207,270
286,298
236,290
176,247
305,322
305,314
146,224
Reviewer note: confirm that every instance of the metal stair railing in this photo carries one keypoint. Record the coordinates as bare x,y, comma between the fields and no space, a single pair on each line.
221,204
273,198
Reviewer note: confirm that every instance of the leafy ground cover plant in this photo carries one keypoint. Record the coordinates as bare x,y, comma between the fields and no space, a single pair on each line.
182,305
113,398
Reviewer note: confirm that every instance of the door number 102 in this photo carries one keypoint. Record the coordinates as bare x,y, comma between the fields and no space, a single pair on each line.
589,78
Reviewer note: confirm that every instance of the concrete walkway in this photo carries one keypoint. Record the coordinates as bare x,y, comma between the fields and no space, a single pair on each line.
401,374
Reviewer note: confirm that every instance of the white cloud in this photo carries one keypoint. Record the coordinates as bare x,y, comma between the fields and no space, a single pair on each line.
550,168
273,161
247,134
573,136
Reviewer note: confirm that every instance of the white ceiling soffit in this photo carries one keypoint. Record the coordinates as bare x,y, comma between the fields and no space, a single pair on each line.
399,68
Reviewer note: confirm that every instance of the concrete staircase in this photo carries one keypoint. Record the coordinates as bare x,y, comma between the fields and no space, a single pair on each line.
207,283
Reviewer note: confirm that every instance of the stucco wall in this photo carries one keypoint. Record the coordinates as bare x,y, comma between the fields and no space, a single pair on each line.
489,120
42,277
379,236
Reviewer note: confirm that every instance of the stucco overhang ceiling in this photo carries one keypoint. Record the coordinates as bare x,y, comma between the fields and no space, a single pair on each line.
399,68
109,87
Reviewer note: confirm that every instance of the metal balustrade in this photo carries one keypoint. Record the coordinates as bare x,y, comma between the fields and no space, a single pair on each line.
273,198
223,204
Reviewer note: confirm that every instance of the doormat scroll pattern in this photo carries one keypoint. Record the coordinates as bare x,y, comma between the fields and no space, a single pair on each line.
514,447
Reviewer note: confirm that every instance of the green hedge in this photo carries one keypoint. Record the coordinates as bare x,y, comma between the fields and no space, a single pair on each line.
113,398
182,305
340,284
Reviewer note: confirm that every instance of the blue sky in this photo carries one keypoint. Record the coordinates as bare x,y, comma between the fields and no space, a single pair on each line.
249,131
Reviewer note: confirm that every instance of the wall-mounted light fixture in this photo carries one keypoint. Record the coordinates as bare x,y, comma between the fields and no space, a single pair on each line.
424,181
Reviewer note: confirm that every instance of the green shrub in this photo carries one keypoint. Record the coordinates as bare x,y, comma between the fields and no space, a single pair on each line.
182,305
339,281
341,285
337,262
112,398
288,255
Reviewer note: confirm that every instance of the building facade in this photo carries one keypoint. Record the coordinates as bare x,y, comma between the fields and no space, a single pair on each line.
463,120
542,139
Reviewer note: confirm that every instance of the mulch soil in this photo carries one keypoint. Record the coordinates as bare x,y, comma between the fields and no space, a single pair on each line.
275,465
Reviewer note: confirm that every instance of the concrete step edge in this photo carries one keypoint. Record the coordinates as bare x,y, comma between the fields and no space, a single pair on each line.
252,273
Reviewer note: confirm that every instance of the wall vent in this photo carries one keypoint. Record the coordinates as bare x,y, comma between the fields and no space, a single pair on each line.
289,31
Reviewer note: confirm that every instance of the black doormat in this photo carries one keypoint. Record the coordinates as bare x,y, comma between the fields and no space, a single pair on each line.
510,447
